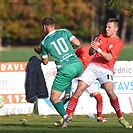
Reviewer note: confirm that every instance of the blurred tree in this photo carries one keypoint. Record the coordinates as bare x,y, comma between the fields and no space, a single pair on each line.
3,16
99,14
75,17
123,5
125,8
21,19
21,22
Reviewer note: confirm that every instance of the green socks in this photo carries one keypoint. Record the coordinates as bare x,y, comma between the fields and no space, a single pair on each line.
60,108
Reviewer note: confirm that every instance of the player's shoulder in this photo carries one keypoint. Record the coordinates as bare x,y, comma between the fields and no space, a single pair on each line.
102,35
62,30
119,41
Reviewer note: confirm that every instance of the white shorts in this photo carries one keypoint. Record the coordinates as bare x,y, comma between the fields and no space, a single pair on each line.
93,72
89,90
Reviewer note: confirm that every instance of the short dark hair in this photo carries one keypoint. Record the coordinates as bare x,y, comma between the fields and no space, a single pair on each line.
48,21
115,20
95,37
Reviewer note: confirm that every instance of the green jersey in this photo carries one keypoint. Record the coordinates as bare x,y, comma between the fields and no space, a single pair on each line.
58,44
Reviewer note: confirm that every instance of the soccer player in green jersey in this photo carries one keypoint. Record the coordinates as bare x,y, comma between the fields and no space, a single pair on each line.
59,44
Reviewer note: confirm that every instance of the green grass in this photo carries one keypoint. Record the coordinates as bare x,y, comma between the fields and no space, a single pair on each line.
22,54
126,54
79,124
16,54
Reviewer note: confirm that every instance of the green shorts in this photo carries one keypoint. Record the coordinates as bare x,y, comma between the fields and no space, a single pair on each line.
65,76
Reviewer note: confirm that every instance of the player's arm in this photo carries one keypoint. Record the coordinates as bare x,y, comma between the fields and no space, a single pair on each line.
75,42
44,55
95,45
107,56
45,61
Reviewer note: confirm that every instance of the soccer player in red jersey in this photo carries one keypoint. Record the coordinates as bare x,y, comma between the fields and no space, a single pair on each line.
105,50
85,58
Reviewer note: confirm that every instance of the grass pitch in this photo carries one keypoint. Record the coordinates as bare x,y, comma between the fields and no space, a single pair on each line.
45,124
22,54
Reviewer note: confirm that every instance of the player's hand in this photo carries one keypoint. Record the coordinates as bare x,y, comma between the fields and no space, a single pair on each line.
95,44
37,49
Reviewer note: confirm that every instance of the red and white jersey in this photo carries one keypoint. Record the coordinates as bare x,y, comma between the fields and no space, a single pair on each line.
83,56
109,45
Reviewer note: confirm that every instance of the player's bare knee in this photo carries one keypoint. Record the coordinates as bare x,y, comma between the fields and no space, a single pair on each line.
53,98
111,92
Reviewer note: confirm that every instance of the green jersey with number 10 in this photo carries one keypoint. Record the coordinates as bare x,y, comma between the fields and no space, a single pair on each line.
58,44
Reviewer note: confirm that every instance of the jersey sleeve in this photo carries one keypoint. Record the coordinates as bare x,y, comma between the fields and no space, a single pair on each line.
115,51
70,35
44,52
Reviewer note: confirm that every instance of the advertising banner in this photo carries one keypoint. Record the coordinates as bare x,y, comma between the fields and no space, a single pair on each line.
12,80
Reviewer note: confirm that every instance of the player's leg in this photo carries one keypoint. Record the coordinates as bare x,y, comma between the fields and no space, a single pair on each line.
75,68
64,100
73,87
93,91
109,88
99,106
54,97
108,85
70,72
106,80
67,74
61,82
74,99
66,97
83,83
73,103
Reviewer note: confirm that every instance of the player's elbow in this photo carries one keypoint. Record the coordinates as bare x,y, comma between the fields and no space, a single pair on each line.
75,42
78,43
45,63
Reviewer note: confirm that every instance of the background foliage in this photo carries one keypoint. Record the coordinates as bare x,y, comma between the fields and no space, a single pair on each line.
20,22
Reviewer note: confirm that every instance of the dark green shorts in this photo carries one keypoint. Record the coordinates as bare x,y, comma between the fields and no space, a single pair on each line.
65,75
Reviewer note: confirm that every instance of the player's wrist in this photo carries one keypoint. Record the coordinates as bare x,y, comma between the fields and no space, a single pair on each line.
99,50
